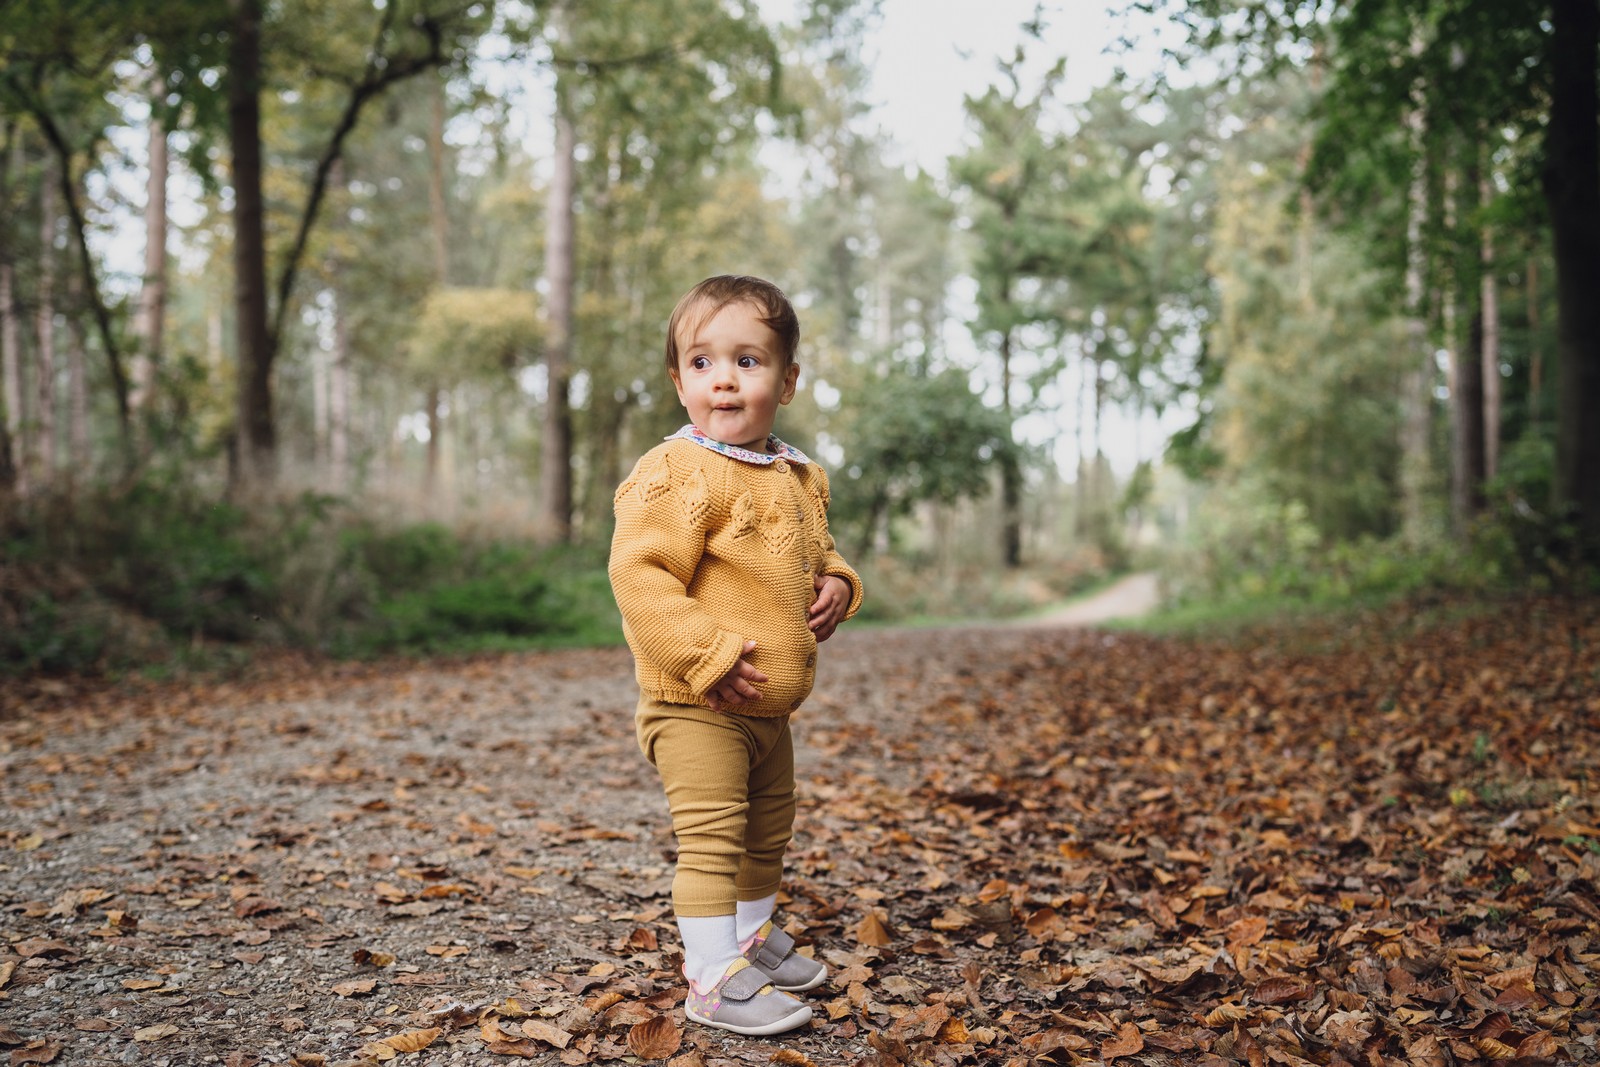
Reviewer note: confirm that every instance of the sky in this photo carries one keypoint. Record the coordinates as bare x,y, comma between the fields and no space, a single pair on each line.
928,54
925,57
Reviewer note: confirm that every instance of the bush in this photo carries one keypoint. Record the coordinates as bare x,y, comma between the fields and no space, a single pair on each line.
132,578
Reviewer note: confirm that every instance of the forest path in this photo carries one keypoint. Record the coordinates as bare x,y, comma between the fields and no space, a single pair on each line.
1013,843
1129,597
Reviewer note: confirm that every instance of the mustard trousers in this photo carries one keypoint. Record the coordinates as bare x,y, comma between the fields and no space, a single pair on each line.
729,781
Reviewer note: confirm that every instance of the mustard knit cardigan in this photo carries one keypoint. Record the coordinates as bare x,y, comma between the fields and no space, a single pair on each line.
711,551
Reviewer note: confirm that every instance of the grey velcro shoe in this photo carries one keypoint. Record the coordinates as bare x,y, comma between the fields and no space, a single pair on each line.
773,952
746,1002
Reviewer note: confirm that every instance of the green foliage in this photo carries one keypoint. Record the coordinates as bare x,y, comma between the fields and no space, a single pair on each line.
130,579
914,438
475,332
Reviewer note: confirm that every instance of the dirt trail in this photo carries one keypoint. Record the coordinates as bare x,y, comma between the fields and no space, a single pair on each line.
1127,598
1038,843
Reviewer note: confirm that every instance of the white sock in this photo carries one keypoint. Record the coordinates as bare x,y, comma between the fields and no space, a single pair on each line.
753,914
710,944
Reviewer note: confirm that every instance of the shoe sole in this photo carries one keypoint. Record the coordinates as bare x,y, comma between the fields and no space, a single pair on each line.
818,979
784,1025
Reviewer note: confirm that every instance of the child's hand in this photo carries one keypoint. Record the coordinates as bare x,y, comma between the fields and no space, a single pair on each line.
828,610
735,687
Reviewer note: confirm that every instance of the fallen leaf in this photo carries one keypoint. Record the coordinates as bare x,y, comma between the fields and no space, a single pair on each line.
413,1040
655,1039
49,949
1128,1040
356,987
872,931
40,1051
159,1032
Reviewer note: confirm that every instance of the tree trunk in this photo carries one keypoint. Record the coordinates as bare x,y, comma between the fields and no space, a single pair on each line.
148,325
1535,346
45,323
1467,454
1416,378
340,388
560,258
1572,192
79,460
13,453
13,446
255,439
1010,468
440,212
1489,308
1467,464
1080,511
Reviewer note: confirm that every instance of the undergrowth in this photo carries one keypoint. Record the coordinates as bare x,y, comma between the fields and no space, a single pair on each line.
152,578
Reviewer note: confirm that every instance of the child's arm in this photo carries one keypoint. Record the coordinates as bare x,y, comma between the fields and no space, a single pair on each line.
738,686
831,606
837,580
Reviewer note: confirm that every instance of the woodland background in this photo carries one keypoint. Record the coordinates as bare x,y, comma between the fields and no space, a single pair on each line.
385,360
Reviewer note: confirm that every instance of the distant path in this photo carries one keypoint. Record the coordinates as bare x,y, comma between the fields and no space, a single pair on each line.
1130,597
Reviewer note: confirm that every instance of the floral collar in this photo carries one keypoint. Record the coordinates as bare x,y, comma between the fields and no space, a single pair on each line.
776,449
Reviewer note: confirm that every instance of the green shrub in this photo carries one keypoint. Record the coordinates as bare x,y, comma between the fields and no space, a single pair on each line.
132,578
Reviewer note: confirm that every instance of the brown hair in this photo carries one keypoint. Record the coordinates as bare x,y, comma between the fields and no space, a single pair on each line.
712,295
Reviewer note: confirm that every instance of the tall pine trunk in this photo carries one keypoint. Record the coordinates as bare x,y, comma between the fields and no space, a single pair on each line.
560,258
148,324
80,461
255,440
1489,307
440,211
44,352
1417,366
1572,193
13,385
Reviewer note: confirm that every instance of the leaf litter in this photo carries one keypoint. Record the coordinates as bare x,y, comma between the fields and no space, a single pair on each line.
1361,842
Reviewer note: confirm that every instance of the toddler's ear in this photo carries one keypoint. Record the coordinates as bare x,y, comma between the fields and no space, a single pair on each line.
791,378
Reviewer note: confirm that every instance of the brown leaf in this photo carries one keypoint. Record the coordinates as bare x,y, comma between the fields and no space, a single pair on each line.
655,1039
42,947
7,969
413,1040
74,901
923,1023
539,1030
44,1050
1128,1040
1539,1046
1225,1015
249,906
356,987
872,931
159,1032
791,1058
1281,991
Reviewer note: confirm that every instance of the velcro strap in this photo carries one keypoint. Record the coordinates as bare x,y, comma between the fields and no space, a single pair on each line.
744,984
775,949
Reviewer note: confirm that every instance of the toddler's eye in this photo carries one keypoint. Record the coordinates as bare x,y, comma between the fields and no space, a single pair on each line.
699,362
748,362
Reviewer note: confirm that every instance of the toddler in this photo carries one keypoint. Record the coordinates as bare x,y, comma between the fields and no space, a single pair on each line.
727,578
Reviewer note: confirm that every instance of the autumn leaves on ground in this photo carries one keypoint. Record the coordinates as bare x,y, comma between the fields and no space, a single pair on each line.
1371,841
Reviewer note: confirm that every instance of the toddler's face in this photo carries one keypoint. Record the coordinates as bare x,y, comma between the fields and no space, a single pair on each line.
731,376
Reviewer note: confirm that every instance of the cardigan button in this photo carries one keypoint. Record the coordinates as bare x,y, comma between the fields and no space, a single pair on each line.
781,466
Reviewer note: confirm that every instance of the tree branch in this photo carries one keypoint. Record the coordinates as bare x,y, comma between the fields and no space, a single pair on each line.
69,192
379,75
